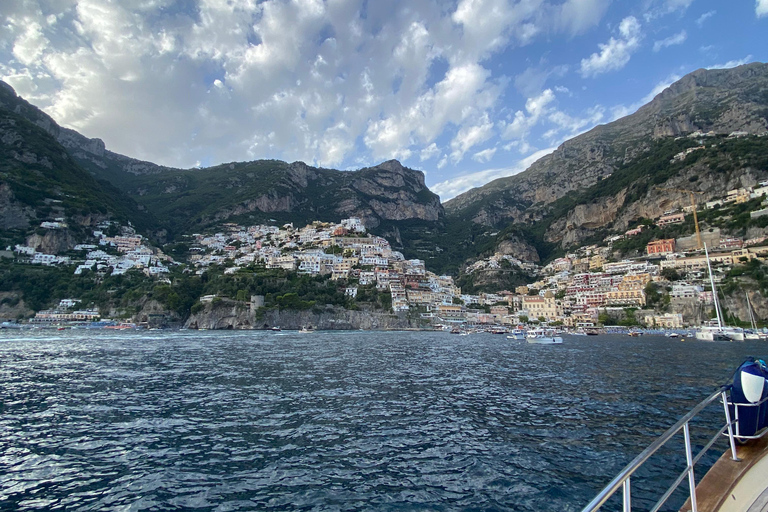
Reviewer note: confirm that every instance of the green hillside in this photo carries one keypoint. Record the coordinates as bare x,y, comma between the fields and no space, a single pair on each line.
42,182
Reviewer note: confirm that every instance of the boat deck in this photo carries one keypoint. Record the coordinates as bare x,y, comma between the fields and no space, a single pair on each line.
732,486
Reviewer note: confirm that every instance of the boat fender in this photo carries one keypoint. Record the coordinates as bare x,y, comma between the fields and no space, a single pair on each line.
749,387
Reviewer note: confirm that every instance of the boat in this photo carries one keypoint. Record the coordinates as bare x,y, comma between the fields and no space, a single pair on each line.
275,328
753,333
736,482
716,330
634,334
579,332
516,334
543,337
672,335
306,329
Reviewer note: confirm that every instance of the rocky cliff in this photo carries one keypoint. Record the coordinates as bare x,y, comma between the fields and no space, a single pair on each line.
720,101
272,191
229,314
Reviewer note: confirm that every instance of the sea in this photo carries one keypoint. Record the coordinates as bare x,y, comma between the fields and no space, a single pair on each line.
345,420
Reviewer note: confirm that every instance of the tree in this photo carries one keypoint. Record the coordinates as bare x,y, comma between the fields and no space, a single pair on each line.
652,295
670,274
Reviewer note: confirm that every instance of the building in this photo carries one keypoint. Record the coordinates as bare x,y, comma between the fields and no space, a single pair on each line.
675,218
545,306
665,246
683,290
667,320
632,297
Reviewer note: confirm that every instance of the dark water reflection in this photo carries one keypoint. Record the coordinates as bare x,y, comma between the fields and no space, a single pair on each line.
339,421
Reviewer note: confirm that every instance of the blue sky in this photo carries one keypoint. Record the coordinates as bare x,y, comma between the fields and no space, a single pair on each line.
465,90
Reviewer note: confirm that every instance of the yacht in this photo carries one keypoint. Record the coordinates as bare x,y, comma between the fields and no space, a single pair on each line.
543,337
517,334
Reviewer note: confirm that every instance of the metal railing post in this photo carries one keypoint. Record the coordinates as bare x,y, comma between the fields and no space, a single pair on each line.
627,496
730,427
689,461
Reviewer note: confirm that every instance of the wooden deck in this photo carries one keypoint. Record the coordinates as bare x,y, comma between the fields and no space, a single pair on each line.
736,486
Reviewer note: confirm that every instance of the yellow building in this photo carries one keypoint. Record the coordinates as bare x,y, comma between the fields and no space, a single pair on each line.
596,262
632,297
547,307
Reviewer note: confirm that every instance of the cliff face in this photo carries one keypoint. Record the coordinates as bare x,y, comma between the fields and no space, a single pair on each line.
272,191
91,152
722,101
241,191
229,314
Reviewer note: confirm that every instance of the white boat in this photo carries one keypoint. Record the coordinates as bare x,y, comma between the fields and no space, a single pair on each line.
716,330
752,334
544,337
516,334
305,330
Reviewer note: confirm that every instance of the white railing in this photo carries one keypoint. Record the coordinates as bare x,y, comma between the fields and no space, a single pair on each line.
623,479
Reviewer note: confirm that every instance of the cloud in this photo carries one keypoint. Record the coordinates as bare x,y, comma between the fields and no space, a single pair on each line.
577,16
521,123
531,81
731,63
761,8
470,136
658,8
451,188
672,40
704,17
614,54
484,156
329,82
430,151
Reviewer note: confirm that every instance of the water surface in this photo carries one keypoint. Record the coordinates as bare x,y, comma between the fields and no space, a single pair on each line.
385,421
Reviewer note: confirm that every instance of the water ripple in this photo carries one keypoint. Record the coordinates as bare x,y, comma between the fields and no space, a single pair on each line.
336,421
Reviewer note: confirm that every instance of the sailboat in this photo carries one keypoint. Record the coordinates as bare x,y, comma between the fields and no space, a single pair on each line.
753,333
716,330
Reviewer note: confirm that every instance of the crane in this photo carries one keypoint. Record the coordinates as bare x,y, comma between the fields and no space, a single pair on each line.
692,194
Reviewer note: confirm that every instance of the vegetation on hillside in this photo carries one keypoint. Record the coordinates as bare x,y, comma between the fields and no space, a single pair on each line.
42,176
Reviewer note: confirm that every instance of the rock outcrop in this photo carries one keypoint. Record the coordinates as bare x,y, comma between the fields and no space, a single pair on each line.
229,314
722,101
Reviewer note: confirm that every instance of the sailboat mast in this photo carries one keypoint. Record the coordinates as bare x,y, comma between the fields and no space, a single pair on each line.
751,313
714,291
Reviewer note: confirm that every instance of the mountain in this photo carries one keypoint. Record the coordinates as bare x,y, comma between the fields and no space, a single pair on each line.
275,191
40,181
598,183
720,100
187,200
604,178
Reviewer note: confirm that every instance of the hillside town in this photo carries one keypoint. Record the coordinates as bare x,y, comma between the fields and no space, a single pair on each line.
572,291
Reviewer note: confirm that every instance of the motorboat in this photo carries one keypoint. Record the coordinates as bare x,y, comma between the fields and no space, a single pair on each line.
306,329
543,337
516,334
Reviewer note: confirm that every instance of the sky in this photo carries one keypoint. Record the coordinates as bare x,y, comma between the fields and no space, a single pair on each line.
465,90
